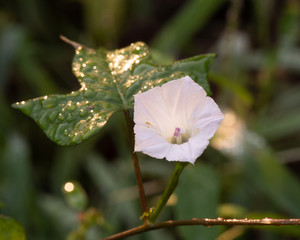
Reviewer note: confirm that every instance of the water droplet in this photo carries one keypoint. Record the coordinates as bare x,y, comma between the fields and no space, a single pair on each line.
83,112
49,103
78,50
90,132
74,93
77,137
71,107
61,116
66,132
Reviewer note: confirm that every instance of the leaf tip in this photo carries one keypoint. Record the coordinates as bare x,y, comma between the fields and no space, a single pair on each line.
24,106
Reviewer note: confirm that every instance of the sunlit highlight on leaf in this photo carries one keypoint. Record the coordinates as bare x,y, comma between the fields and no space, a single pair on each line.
108,80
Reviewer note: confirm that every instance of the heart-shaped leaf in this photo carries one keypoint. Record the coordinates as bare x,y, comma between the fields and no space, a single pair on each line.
108,80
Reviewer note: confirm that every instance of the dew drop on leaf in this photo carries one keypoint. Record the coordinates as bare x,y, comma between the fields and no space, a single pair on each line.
89,133
83,112
108,80
61,117
71,107
75,93
77,137
49,102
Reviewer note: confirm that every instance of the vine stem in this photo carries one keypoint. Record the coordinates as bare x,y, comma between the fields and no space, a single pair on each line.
205,222
136,166
168,191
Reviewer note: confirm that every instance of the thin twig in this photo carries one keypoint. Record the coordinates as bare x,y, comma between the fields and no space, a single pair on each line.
205,222
136,166
67,40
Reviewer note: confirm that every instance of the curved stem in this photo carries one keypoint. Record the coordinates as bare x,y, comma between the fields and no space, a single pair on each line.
205,222
136,166
72,43
168,191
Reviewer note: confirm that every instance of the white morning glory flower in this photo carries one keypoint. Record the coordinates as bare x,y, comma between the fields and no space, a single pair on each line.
175,121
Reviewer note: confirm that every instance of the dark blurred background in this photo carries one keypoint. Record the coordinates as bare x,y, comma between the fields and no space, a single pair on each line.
251,168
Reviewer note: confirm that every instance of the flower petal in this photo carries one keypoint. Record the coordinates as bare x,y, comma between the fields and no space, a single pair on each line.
178,104
147,112
206,118
181,97
150,143
181,153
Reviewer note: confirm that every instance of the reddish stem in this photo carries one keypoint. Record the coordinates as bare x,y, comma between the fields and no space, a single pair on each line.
136,166
205,222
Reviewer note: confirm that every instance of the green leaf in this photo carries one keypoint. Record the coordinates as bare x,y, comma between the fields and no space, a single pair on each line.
198,195
10,229
108,80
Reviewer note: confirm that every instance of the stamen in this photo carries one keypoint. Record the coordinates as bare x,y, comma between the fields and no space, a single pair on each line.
177,132
178,136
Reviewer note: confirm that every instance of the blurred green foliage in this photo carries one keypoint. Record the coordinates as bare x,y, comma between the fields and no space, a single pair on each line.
252,168
10,229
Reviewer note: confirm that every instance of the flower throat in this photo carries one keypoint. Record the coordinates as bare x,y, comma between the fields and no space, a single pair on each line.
180,136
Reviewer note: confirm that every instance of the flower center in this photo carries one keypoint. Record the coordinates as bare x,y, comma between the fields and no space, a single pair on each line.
180,136
177,132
